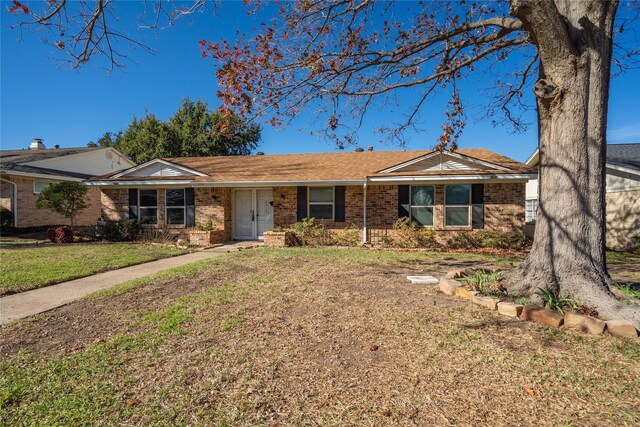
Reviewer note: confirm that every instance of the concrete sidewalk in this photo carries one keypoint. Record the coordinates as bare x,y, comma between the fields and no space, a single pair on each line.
36,301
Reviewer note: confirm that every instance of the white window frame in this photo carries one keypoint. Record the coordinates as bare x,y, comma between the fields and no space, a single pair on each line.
530,215
445,205
44,182
332,203
167,207
411,205
148,207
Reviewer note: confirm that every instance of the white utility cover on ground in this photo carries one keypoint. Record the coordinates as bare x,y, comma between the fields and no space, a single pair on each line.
423,279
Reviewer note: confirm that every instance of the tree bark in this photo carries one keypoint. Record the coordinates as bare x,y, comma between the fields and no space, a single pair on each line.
574,40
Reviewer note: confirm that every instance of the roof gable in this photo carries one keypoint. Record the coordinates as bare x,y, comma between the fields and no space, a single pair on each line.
158,168
87,162
445,161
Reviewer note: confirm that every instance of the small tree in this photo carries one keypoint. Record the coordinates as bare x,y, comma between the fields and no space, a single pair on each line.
65,198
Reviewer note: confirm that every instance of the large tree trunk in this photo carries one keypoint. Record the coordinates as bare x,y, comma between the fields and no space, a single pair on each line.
574,39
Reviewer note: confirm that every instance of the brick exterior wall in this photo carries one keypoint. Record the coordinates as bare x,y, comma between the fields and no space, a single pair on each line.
285,206
211,204
214,204
30,216
115,204
504,208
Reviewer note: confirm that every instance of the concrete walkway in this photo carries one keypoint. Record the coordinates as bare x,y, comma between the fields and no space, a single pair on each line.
36,301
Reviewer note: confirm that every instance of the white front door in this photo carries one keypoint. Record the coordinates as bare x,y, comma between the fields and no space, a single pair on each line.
252,213
264,212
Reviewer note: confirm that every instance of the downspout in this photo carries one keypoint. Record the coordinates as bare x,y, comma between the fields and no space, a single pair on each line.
14,202
364,214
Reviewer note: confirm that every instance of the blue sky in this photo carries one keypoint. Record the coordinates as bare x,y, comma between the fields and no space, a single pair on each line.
39,98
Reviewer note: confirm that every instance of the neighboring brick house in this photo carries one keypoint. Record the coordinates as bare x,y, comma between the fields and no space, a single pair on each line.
24,173
622,197
244,196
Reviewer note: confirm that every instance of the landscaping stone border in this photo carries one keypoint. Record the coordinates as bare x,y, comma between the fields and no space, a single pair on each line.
534,313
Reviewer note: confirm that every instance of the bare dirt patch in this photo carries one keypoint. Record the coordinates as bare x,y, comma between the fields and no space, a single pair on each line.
287,338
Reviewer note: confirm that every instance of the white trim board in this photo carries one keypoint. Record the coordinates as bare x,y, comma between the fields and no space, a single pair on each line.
487,165
187,171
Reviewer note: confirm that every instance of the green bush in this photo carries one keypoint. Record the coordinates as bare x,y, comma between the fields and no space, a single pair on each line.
308,233
349,236
126,230
408,234
488,239
6,218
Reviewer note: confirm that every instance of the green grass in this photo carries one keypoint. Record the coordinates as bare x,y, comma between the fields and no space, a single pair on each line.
28,264
629,289
622,258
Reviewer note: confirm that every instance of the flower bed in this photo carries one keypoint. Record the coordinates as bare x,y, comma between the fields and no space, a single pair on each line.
484,288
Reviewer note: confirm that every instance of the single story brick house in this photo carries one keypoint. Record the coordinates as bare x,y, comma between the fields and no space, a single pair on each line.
25,173
244,196
622,196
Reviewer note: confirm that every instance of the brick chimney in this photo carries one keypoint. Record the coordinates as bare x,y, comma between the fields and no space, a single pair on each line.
370,148
37,144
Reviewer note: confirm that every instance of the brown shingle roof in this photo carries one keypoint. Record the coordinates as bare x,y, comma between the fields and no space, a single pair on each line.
341,166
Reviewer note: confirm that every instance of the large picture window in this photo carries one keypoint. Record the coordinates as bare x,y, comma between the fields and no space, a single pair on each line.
148,209
422,205
457,209
175,206
321,203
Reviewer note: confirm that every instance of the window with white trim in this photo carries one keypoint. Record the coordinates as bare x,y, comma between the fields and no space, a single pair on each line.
148,206
175,203
422,204
457,205
531,207
39,186
320,203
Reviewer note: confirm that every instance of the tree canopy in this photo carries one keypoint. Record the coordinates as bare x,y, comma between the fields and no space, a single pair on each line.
194,130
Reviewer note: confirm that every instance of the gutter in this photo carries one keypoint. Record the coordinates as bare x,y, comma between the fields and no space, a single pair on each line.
41,176
14,202
254,184
236,184
424,178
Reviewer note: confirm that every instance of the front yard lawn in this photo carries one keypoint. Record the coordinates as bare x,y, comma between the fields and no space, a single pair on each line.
29,264
308,337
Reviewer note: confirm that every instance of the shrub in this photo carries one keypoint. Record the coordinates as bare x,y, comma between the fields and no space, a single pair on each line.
635,244
349,236
61,234
126,230
463,240
308,233
157,235
488,239
409,235
497,240
6,218
67,198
